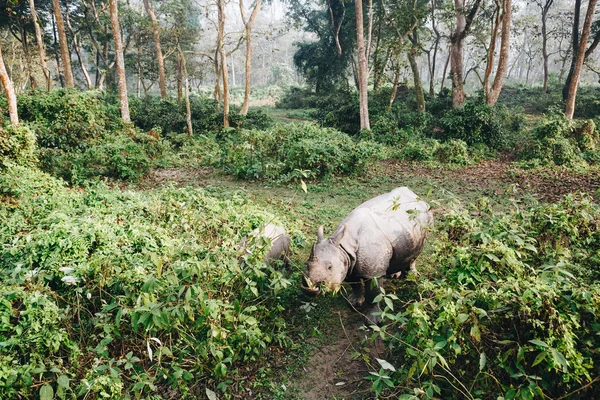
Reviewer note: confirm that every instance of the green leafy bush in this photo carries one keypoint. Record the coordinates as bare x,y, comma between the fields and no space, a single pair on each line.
108,292
453,152
422,150
17,145
284,150
477,123
513,311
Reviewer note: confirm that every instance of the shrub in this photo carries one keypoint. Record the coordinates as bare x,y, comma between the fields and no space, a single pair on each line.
285,149
513,310
419,150
477,123
453,152
148,283
17,145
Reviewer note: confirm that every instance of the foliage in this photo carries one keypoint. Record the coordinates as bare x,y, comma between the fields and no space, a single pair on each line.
478,123
17,145
419,150
285,150
107,292
453,152
514,308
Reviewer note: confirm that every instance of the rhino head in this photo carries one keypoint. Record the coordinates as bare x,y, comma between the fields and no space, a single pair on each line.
328,263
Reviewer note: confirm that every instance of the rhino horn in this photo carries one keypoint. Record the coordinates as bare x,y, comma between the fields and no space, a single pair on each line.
313,257
320,234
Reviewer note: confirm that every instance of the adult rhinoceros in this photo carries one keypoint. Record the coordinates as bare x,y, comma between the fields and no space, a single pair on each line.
381,237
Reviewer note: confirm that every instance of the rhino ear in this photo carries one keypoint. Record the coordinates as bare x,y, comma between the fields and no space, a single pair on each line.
320,234
337,239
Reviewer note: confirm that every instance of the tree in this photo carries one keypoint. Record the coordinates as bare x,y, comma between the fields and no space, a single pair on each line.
40,44
9,91
120,62
492,94
159,54
463,26
64,46
545,8
363,68
223,59
412,53
248,29
579,54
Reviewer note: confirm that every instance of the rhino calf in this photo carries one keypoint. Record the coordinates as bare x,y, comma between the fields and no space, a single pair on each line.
279,243
381,237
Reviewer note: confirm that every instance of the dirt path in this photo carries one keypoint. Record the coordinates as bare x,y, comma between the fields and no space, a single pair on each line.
338,370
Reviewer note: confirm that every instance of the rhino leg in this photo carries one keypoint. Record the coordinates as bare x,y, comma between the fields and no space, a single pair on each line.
413,267
371,291
357,298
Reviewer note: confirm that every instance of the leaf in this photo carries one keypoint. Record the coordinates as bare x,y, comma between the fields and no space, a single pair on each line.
386,365
389,303
482,361
476,333
211,395
558,356
440,345
540,357
304,186
46,392
63,381
538,342
149,349
462,318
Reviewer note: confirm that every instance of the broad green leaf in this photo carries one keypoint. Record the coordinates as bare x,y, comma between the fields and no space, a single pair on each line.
211,395
462,318
304,186
482,361
476,333
46,392
560,358
540,357
63,381
538,342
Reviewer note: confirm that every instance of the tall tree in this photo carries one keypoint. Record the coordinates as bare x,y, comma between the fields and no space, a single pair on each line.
9,91
463,25
363,68
545,8
412,54
223,59
248,33
64,46
492,94
159,54
40,44
579,56
120,62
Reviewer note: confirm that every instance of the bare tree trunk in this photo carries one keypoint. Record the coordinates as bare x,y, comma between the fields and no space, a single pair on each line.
77,46
494,92
221,47
248,26
444,72
412,53
59,67
363,68
120,62
40,45
435,51
9,91
179,76
159,55
545,8
497,16
25,45
64,46
394,88
578,64
188,109
463,25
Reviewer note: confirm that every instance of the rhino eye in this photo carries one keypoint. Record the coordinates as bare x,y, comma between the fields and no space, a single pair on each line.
329,266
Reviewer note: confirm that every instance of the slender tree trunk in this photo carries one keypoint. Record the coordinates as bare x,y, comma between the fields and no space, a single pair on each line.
545,8
188,109
394,89
159,54
412,53
9,91
578,64
494,92
491,54
120,62
179,76
77,47
363,68
435,51
40,45
463,24
223,59
248,27
64,46
59,67
443,83
574,47
25,45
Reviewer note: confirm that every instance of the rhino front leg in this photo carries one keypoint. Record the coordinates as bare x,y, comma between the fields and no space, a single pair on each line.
372,289
357,298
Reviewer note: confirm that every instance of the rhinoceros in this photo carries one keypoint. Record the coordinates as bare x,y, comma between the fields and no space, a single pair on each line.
279,242
381,237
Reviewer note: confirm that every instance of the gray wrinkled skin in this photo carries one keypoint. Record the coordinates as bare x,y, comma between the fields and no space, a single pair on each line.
380,238
280,243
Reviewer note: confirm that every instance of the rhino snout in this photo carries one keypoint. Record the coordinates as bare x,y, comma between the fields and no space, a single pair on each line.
309,288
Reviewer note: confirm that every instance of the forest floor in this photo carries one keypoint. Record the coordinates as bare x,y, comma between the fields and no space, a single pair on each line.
331,356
